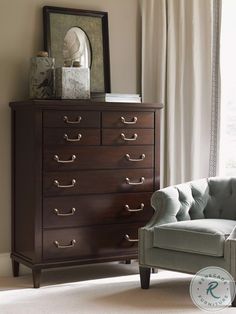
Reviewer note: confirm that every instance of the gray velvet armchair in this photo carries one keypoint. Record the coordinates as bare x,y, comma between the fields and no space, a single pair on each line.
194,226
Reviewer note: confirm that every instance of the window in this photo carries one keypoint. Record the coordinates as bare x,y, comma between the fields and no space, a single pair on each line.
228,89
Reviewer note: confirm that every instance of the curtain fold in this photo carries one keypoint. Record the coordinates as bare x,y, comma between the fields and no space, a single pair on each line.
178,70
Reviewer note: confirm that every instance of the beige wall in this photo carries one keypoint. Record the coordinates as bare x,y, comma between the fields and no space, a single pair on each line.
21,36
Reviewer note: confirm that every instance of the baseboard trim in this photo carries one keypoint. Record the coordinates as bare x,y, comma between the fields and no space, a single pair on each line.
5,266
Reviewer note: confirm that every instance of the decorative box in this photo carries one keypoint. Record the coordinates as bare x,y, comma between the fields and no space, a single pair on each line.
72,83
41,80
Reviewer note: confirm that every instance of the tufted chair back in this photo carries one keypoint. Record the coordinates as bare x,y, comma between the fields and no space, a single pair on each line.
221,199
206,198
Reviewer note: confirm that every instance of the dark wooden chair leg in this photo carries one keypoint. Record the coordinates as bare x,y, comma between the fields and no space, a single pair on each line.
144,276
36,277
15,268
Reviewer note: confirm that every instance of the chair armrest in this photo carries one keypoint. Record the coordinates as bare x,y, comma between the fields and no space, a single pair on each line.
166,204
232,236
230,252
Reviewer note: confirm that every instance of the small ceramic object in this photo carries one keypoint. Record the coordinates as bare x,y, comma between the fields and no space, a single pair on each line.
42,54
76,64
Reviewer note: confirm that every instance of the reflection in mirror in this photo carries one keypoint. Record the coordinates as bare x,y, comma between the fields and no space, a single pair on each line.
76,47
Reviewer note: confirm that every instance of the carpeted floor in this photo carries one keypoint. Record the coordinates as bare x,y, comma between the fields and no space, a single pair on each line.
102,288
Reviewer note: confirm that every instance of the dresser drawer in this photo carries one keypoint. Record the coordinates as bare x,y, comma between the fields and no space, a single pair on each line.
73,211
127,137
71,137
71,119
72,158
98,181
128,119
92,242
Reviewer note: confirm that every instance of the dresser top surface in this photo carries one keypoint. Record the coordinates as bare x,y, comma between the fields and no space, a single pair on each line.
83,105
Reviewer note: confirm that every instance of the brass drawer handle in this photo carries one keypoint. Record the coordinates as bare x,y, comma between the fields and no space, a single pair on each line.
135,183
56,157
142,157
77,121
59,246
129,239
133,138
135,209
73,139
56,211
134,120
57,184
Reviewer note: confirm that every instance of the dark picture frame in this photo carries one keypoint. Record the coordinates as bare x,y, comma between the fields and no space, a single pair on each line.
57,21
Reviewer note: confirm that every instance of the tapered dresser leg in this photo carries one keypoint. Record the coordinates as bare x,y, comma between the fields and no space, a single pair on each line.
234,301
15,268
144,276
36,277
127,261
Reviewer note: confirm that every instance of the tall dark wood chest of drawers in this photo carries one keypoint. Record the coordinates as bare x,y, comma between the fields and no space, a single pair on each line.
82,176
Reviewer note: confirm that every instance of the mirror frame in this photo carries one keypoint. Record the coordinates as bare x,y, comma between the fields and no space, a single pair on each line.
105,57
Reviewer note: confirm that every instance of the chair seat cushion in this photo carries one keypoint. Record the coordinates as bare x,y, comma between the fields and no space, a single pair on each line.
200,236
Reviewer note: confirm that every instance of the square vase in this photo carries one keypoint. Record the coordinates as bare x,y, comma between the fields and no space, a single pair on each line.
72,83
41,78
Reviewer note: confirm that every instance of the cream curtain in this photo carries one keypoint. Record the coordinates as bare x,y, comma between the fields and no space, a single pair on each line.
179,69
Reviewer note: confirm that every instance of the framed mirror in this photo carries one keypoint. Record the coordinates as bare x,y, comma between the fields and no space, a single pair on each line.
79,35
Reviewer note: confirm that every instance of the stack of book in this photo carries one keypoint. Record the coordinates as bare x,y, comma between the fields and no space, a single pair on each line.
110,97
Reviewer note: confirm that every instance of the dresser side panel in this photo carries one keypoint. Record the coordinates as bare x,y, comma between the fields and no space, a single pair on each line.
157,140
26,169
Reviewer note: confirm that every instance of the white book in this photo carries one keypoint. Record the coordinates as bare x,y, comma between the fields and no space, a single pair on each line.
110,97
